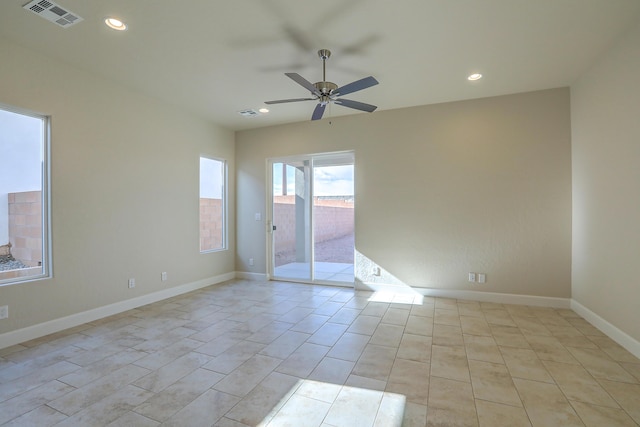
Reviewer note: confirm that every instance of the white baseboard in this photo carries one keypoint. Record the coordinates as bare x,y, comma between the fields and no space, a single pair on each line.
36,331
251,276
619,336
494,297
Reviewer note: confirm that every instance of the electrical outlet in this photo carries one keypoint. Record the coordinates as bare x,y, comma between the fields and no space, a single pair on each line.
163,276
4,312
472,277
482,278
250,261
132,283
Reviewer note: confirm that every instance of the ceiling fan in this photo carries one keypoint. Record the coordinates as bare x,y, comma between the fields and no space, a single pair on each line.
325,92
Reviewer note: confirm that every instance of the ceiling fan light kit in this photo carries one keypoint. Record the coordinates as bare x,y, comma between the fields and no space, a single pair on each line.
325,92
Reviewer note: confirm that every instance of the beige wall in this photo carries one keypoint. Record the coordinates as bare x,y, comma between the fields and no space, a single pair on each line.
481,185
472,186
124,180
605,106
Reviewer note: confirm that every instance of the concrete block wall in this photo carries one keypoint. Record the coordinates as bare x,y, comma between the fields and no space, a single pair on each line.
332,219
23,272
284,218
25,227
211,224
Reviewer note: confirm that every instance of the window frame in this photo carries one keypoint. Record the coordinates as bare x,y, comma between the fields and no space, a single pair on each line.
45,185
224,201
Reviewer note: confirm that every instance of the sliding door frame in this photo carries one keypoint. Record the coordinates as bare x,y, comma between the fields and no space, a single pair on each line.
270,261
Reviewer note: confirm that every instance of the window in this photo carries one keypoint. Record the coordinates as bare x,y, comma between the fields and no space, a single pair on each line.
24,197
213,205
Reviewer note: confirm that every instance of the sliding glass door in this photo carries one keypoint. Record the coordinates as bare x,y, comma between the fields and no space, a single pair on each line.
291,230
312,230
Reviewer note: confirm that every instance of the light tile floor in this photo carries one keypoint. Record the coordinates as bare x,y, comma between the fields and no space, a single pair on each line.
285,354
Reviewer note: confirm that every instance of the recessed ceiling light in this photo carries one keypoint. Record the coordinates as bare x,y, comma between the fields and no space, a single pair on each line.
264,110
474,76
116,24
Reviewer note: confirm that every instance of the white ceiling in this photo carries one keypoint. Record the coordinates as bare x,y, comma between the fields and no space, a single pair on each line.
217,57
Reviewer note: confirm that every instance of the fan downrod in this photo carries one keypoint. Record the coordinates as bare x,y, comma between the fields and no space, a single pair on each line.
324,87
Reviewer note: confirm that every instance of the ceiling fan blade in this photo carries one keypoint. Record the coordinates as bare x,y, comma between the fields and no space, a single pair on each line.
292,66
282,101
298,37
360,46
303,82
318,112
356,86
356,105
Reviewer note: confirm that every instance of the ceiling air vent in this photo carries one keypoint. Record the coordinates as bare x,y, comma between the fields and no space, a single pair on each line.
248,113
53,12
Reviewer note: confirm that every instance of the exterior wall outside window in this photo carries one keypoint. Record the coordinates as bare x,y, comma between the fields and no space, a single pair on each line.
24,223
213,226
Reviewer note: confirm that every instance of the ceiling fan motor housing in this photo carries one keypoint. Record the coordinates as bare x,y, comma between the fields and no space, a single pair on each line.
325,88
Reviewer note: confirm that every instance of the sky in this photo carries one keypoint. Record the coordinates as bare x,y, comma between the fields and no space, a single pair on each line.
20,152
20,160
211,178
328,180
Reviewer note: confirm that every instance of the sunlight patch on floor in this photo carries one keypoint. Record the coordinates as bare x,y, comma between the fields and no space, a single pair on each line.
314,403
401,296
